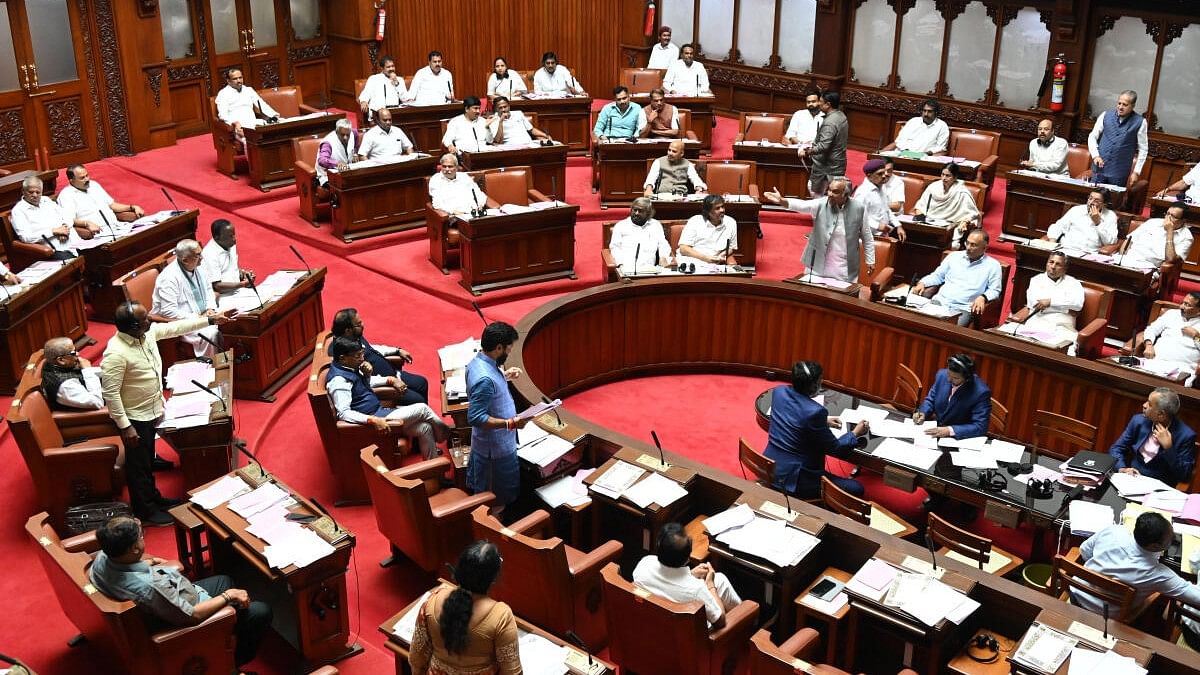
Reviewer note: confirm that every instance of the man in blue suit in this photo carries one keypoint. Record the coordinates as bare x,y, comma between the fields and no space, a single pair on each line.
959,401
1156,442
799,436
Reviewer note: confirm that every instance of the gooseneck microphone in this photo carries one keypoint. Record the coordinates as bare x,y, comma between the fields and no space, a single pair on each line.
662,459
209,340
546,399
254,287
224,406
169,199
111,232
300,258
325,512
475,306
932,550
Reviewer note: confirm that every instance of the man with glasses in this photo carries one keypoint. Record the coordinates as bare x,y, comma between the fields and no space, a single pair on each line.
68,382
926,133
1086,227
183,290
620,119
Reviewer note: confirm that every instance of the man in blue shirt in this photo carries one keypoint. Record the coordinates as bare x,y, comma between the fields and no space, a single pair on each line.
413,388
959,400
967,279
491,412
620,119
1156,442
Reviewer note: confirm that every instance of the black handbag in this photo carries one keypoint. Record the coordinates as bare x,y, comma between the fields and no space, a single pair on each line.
88,517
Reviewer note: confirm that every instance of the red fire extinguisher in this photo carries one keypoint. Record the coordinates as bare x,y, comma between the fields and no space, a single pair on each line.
649,27
379,25
1059,83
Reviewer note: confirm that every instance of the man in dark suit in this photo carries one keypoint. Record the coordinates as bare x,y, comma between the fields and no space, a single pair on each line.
959,401
347,323
1156,442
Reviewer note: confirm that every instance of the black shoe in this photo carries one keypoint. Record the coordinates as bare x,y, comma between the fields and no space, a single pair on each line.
168,502
157,518
160,464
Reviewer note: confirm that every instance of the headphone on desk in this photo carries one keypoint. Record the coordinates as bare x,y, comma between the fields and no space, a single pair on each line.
983,648
962,363
1041,488
992,480
687,268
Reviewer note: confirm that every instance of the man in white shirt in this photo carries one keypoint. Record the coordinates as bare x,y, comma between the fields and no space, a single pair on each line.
36,219
183,291
1189,182
803,127
877,200
336,152
66,383
552,78
710,237
1157,240
927,133
383,140
512,126
666,575
88,206
1054,298
840,230
469,131
639,238
433,84
220,258
384,89
686,77
670,175
1173,337
663,53
1047,152
453,192
240,106
1086,227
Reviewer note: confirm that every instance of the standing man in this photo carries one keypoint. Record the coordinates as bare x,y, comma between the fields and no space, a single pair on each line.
877,196
36,219
220,260
840,229
926,133
433,84
638,242
1118,133
491,413
686,77
88,206
183,290
1047,152
413,388
131,378
383,139
336,152
1156,442
673,174
620,119
554,79
240,106
469,131
1157,240
1086,227
512,126
828,151
663,53
1054,298
802,130
662,118
967,279
384,89
709,237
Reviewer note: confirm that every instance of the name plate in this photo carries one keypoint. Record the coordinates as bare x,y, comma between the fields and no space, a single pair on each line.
652,463
1001,514
579,663
328,530
899,478
780,512
1092,635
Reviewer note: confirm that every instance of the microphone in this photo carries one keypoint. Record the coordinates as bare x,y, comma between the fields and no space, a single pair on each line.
697,84
476,135
7,295
879,144
1067,499
300,257
478,210
561,424
253,287
812,259
578,642
554,189
450,90
922,217
325,512
1106,606
725,260
662,459
1124,249
932,549
258,478
954,150
740,179
204,337
746,134
111,232
50,243
478,311
224,407
634,83
168,196
637,253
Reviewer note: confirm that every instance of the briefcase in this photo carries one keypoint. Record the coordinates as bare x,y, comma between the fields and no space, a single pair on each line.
88,517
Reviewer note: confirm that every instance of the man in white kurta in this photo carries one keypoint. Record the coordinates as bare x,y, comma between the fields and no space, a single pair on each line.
1172,341
1054,298
710,237
1085,227
927,133
552,78
183,291
452,191
86,204
802,129
1047,152
433,84
663,53
36,219
639,238
877,200
383,139
1158,240
240,106
469,131
1190,182
840,229
509,126
686,77
384,89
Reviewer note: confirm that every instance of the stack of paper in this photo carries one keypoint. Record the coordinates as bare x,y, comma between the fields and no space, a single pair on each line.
976,443
568,490
770,539
655,489
407,625
872,579
1087,662
220,492
1044,649
538,409
540,656
617,479
187,410
545,450
152,219
852,416
1088,518
818,280
735,516
969,459
288,542
243,300
1170,500
180,376
278,283
899,452
458,355
1191,509
904,428
263,497
928,599
1130,486
1003,451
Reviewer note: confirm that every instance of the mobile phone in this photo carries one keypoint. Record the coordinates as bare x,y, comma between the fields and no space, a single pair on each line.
826,589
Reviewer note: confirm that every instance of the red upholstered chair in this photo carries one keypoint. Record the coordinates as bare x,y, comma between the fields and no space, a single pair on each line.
641,626
138,286
873,285
421,520
314,201
287,101
546,582
792,656
119,629
73,424
769,126
364,120
640,80
20,254
1134,346
606,257
914,187
1091,321
977,145
1079,161
726,176
509,185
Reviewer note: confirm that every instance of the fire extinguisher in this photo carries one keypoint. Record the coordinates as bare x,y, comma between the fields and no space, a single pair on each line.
379,25
649,28
1059,83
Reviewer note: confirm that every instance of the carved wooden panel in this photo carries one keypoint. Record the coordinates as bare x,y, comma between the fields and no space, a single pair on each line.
65,125
12,136
113,83
268,73
93,90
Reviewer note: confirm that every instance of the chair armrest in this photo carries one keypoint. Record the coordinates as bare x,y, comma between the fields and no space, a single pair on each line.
1021,314
217,627
304,168
492,203
86,542
325,670
430,468
752,190
105,455
739,622
882,279
609,551
691,135
889,146
534,523
1072,555
1090,341
464,507
801,643
308,109
536,196
739,138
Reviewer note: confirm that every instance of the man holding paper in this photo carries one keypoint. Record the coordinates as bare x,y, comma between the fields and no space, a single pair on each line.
1156,443
959,400
492,414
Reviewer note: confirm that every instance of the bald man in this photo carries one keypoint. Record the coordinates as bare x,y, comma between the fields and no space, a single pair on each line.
673,174
1047,152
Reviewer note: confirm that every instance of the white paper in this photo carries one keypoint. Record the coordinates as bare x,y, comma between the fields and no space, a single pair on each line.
904,428
262,497
1003,451
969,459
829,607
220,492
852,416
771,540
1087,662
530,433
458,355
618,478
1129,485
1044,648
976,443
545,450
1088,518
1093,635
565,490
537,409
728,519
900,452
407,625
655,489
540,656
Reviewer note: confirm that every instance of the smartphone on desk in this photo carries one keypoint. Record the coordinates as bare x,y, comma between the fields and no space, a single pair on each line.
826,589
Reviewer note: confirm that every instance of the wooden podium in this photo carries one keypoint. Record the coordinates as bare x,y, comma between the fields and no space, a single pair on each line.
269,147
523,248
274,343
1033,202
51,308
622,167
778,166
205,453
922,252
423,123
115,258
548,162
567,120
378,197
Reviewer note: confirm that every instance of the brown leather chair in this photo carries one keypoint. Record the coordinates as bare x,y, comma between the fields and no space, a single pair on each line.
1079,161
422,521
793,656
873,285
509,185
977,145
364,120
1060,436
756,464
1091,321
1134,346
607,262
1070,574
20,254
640,80
914,187
1168,271
314,201
866,512
73,424
118,628
553,586
726,176
769,126
287,101
342,440
138,286
992,310
970,548
641,625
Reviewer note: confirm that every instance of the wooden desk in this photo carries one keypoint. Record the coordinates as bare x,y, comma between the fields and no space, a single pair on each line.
423,124
115,258
1132,289
778,167
622,167
269,148
1057,621
742,209
274,343
205,453
380,197
524,248
310,603
1033,202
51,308
649,520
921,252
566,119
549,164
701,108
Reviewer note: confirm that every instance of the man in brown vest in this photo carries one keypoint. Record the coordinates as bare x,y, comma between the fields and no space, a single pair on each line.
673,174
662,119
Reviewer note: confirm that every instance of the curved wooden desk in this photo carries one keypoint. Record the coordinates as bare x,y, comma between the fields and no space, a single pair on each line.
747,327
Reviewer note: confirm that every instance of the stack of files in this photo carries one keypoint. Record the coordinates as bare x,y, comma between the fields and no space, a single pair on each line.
1086,662
568,490
1044,649
540,656
617,479
770,539
1088,468
872,579
734,516
927,599
545,450
458,355
897,451
260,499
288,542
180,376
226,488
1088,518
654,489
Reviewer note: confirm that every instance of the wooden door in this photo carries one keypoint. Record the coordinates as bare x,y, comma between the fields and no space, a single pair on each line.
247,34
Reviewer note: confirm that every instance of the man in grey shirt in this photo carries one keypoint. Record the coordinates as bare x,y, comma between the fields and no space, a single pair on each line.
828,150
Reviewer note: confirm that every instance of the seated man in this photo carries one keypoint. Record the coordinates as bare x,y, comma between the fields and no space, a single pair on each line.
335,152
1190,182
383,139
665,574
798,438
453,192
123,571
66,382
620,119
1156,442
638,241
89,207
1054,298
1157,240
967,279
673,174
686,76
710,237
413,388
926,133
1171,340
1047,152
552,78
1086,227
512,126
385,89
183,291
1133,558
354,400
662,118
959,401
804,124
240,106
220,258
36,219
469,131
433,84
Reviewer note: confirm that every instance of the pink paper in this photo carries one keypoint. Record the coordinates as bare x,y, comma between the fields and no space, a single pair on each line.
876,573
1191,509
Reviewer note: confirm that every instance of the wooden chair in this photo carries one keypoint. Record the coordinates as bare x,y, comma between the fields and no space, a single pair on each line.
768,126
1052,431
510,185
641,624
729,176
607,262
421,520
1177,609
287,101
546,582
998,423
907,395
992,310
20,254
138,286
118,629
793,656
1070,574
979,146
640,80
969,548
73,424
868,513
756,464
1091,322
313,204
